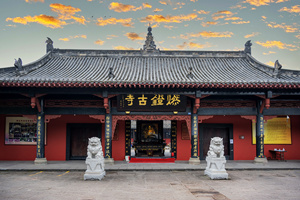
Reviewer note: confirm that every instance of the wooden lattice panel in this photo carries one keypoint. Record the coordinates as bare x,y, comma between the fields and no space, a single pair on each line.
227,104
74,103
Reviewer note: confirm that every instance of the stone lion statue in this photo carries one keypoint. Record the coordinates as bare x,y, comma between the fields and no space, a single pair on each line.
216,148
94,149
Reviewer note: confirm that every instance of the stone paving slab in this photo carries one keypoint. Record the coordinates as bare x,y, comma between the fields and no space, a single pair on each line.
149,185
79,165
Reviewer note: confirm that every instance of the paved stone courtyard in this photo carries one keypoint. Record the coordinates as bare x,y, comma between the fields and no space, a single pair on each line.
162,185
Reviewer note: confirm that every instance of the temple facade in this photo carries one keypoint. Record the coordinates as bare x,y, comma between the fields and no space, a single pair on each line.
148,103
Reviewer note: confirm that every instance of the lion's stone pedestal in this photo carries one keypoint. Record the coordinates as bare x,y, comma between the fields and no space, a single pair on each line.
216,160
216,168
94,169
94,160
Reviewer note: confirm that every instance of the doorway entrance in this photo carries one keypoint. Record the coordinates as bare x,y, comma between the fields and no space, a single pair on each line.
208,131
149,140
77,139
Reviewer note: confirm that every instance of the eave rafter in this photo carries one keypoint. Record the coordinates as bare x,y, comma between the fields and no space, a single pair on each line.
155,85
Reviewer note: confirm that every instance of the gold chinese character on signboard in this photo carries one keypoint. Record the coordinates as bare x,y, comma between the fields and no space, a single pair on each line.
142,100
157,100
129,99
175,100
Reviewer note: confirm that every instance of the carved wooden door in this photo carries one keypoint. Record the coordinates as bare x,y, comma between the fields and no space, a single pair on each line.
78,135
208,131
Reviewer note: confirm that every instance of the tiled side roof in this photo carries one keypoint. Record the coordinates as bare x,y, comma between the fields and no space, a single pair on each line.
90,68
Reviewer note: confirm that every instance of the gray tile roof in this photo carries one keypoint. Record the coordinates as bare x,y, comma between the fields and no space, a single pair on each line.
89,68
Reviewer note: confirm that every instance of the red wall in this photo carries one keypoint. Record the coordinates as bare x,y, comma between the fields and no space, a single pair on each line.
118,146
183,146
292,149
14,152
55,148
244,149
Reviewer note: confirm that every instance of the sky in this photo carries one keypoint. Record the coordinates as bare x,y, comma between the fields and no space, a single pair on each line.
273,26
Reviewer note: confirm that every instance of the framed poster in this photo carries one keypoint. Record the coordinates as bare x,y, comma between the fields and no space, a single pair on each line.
276,131
21,131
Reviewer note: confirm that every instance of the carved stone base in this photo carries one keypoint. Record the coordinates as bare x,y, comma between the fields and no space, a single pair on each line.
94,176
260,160
95,169
109,161
40,161
194,161
216,168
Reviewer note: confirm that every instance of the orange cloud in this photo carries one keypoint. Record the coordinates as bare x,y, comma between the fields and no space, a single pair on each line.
278,44
73,37
270,52
169,27
203,12
259,2
241,22
251,35
221,14
281,1
208,34
45,20
270,63
119,7
163,2
99,42
111,37
133,36
157,10
64,39
146,5
192,45
238,7
286,28
124,22
206,24
123,48
294,9
67,12
64,13
233,18
168,18
29,1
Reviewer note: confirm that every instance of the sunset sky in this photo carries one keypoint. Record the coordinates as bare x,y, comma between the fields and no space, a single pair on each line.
273,26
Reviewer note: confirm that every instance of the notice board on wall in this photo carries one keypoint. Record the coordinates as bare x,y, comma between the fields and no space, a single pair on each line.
276,130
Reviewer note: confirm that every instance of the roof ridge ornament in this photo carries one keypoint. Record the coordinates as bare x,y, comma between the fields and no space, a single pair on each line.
149,45
19,67
190,75
49,45
248,45
111,73
277,69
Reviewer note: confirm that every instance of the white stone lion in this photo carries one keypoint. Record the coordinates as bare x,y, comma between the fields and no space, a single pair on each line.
216,148
94,149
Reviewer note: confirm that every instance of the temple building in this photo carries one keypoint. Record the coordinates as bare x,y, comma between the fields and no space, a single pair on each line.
148,103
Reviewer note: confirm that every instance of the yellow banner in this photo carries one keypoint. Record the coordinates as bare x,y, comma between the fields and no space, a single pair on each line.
277,131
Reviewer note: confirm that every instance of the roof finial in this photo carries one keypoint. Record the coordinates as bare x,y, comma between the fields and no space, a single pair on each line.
149,43
277,69
248,45
49,45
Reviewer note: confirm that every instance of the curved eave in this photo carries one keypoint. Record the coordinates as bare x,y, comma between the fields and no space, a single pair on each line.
147,85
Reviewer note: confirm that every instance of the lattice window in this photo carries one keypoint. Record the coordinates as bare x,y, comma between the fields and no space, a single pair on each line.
74,103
